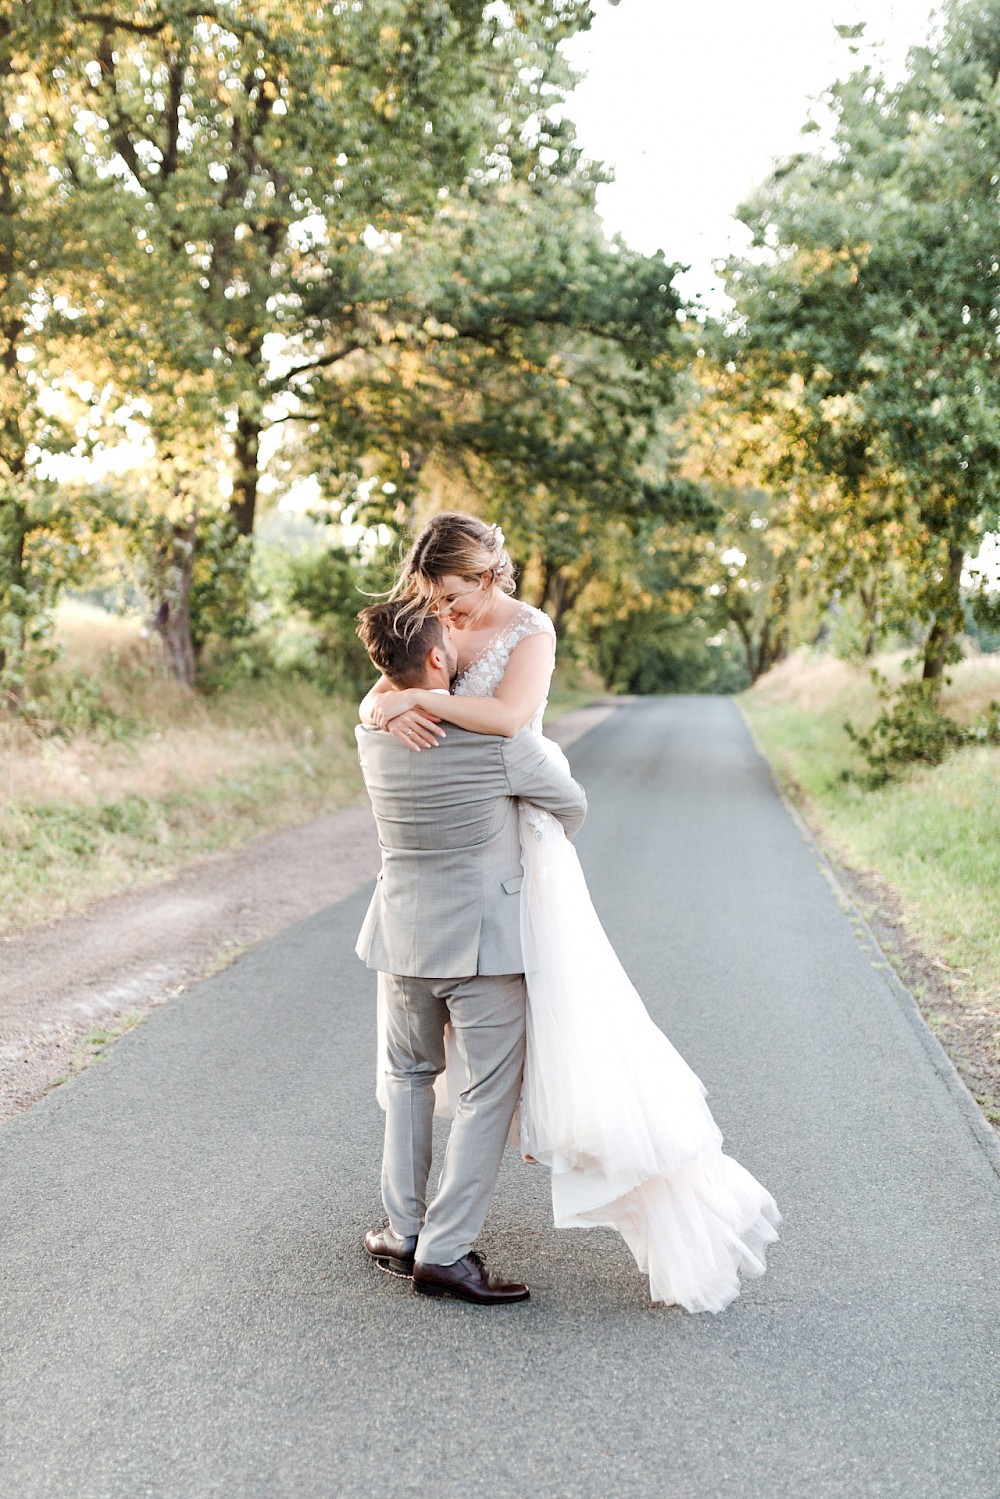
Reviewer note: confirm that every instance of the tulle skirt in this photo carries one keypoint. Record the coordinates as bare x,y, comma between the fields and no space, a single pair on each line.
613,1109
609,1105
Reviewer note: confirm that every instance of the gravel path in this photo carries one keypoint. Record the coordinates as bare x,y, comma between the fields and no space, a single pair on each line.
186,1310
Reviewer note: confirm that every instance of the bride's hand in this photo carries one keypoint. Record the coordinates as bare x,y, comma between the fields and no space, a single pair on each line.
390,705
417,730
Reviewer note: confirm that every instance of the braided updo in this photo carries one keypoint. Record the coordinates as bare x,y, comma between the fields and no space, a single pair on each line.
453,544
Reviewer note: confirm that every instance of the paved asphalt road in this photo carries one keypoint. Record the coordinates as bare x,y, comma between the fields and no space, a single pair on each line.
187,1311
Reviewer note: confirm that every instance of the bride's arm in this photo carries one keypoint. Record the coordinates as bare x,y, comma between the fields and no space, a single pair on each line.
368,702
415,729
521,691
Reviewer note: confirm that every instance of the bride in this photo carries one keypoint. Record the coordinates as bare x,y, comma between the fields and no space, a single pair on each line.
608,1104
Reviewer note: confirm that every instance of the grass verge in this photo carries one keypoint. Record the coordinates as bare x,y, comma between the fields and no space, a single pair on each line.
133,779
922,854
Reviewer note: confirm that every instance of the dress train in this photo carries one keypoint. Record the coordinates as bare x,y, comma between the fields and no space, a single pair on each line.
612,1108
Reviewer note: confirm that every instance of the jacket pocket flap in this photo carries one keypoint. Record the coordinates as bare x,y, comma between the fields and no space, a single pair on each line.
513,885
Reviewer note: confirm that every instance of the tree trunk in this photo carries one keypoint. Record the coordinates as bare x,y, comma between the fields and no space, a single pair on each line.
765,651
559,597
247,443
947,620
556,598
936,648
13,516
12,576
545,572
172,619
871,604
753,660
773,645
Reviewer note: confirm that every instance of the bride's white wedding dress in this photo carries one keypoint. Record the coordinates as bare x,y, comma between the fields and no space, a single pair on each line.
608,1104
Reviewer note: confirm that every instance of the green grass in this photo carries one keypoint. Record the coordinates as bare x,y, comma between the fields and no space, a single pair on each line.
934,835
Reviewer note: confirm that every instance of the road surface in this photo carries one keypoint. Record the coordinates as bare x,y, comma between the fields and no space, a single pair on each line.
187,1311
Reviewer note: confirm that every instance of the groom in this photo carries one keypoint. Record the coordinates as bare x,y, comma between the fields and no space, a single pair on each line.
443,929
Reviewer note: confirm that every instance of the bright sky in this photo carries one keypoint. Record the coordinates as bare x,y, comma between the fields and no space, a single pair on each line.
690,103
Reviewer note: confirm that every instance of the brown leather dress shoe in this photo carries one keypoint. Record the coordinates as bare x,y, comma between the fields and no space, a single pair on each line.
469,1280
390,1253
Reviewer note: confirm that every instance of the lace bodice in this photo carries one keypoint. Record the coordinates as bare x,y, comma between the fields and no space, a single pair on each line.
484,673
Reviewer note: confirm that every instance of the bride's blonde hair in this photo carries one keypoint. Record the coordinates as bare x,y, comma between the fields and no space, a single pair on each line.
458,545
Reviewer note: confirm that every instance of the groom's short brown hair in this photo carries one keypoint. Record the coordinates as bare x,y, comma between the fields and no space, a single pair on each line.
398,640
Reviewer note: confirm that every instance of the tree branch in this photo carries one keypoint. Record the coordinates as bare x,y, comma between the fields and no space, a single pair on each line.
294,416
280,382
205,12
119,23
228,22
124,144
171,153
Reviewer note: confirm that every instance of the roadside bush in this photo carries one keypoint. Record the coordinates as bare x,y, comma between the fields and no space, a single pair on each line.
67,700
912,729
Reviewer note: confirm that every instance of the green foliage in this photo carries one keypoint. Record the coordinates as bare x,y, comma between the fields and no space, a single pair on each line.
44,386
982,626
330,587
223,587
67,701
46,544
360,244
982,615
912,729
866,331
529,380
659,653
756,577
848,632
204,210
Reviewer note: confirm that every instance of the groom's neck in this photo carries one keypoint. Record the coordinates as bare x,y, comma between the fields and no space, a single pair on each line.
431,681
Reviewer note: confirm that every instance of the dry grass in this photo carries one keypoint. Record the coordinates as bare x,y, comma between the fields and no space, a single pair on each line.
88,636
973,684
818,684
156,777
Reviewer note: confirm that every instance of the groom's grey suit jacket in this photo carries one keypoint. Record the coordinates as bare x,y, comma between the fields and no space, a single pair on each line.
446,903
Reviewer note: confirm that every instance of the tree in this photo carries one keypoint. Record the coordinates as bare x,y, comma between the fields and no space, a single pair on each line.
261,159
43,392
873,317
533,386
758,566
257,162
